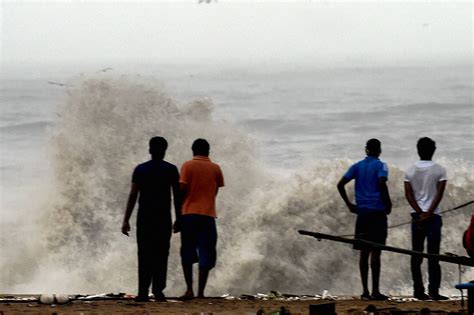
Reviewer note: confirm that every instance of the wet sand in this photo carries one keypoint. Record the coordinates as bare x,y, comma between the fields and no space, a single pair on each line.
223,306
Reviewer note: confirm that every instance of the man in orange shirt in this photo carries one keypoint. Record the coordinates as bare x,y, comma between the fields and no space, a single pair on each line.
199,181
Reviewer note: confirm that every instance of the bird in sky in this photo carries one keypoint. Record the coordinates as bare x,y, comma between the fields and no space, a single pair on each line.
105,69
58,83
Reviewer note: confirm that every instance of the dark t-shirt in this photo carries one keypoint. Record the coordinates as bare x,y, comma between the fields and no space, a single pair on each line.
155,179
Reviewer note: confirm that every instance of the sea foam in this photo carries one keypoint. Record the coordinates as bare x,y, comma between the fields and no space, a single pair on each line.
101,134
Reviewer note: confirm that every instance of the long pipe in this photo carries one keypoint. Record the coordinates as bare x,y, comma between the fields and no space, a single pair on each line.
458,260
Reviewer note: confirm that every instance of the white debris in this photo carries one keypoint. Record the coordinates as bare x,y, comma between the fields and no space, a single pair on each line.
47,298
62,299
325,294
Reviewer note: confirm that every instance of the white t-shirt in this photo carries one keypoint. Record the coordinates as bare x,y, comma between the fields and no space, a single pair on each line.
424,177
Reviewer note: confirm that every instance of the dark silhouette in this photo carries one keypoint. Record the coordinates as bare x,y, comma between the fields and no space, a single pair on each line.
425,182
152,183
372,206
199,183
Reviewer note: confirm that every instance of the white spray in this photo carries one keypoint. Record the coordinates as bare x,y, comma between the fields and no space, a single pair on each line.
102,132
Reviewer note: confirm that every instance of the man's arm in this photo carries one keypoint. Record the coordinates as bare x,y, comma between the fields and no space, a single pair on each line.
385,194
132,199
440,187
177,200
410,196
342,191
220,180
176,194
183,189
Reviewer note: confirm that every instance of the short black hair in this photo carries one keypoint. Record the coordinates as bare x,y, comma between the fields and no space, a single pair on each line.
373,146
158,146
426,148
201,147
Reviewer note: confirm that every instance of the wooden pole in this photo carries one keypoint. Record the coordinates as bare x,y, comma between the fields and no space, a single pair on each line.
458,260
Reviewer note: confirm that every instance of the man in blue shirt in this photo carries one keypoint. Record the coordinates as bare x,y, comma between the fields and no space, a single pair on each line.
372,206
152,184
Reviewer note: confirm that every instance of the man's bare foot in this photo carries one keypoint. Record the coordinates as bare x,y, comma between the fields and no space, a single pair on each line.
188,295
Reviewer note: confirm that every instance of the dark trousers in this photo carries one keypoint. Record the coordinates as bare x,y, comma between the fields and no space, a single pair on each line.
153,250
198,240
431,231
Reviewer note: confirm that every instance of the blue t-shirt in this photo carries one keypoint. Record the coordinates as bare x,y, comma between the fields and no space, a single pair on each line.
367,173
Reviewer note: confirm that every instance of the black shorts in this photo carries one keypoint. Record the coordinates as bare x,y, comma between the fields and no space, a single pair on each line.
198,240
371,227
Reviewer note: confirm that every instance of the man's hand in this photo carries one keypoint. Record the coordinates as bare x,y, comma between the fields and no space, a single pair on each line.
425,216
132,199
352,207
125,228
342,191
177,226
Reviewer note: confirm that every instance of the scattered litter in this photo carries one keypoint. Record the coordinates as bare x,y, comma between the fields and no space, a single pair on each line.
46,298
62,299
51,299
275,295
400,299
13,299
227,296
325,294
103,296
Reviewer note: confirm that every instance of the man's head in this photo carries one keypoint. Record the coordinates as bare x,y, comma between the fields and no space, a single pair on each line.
158,146
200,147
373,147
426,148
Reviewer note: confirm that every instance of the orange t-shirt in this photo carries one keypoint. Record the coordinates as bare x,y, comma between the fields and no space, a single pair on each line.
202,178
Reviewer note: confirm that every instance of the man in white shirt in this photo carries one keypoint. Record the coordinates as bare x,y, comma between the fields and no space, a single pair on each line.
425,182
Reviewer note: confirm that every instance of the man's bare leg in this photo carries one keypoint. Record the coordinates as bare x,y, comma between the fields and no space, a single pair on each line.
375,266
364,271
188,277
203,275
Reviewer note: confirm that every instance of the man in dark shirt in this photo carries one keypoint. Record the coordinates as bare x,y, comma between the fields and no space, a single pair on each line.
152,183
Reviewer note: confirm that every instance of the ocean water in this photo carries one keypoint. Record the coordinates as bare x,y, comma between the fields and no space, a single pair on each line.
283,136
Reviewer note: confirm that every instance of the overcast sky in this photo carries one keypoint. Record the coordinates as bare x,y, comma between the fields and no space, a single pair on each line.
240,31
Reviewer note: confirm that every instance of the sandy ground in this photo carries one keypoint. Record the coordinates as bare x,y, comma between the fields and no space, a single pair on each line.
222,306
